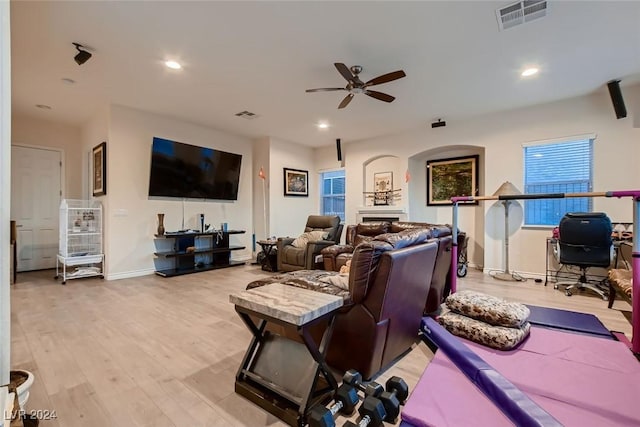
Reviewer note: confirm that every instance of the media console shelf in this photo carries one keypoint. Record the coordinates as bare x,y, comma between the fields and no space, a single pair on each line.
193,252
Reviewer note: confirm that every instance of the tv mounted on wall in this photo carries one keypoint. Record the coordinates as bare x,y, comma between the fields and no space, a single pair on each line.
187,171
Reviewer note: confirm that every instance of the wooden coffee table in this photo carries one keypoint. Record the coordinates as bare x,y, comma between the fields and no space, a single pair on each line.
284,376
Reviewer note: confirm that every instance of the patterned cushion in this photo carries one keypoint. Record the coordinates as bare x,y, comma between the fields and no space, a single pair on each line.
340,281
497,337
487,308
346,267
622,279
310,236
315,280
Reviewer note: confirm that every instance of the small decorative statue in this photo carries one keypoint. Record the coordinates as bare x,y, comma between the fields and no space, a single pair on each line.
160,224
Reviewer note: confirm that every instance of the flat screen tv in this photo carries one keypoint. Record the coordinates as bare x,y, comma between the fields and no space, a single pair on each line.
187,171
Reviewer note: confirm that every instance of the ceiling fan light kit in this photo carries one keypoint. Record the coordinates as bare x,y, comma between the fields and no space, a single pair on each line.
356,86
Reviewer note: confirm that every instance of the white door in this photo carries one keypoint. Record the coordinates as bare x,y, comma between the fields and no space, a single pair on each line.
35,202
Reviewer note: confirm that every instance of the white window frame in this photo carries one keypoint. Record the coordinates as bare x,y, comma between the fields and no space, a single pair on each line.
321,190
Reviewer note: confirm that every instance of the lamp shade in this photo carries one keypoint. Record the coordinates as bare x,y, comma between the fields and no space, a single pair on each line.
507,189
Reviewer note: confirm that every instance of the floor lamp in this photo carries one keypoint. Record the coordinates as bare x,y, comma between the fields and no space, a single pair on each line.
507,189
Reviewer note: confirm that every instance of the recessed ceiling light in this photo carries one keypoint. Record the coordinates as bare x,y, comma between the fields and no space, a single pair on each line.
173,65
43,106
529,72
323,125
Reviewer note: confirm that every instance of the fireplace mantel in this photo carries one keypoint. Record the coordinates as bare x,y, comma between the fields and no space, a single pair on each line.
390,212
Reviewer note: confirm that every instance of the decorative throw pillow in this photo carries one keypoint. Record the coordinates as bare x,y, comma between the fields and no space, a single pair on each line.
346,267
310,236
622,279
497,337
338,280
487,308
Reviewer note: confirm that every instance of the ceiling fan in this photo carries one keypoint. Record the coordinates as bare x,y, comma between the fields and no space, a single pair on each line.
355,85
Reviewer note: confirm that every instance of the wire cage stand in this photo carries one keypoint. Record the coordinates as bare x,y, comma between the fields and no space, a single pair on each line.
80,242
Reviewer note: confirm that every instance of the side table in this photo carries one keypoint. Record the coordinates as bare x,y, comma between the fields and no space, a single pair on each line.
267,246
281,375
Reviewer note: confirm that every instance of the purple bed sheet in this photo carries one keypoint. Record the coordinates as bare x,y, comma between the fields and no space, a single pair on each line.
580,380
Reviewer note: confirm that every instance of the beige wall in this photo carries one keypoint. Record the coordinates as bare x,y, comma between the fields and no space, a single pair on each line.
27,130
132,216
288,215
500,137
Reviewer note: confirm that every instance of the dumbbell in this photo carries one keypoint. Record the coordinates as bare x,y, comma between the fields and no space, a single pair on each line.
354,379
395,394
346,402
372,413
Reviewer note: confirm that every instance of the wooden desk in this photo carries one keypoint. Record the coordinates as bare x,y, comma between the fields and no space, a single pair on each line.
281,375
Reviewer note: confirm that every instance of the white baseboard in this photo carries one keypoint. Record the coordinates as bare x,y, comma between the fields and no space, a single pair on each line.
129,274
148,271
525,274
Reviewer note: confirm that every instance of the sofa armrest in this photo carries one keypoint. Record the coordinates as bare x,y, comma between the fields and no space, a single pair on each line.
330,253
313,249
284,241
280,244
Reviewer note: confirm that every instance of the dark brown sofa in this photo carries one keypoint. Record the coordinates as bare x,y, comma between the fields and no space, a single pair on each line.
336,256
384,296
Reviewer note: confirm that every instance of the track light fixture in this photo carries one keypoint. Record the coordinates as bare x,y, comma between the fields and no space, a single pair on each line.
82,56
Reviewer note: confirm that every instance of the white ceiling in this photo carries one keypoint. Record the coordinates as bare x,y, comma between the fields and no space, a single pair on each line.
261,56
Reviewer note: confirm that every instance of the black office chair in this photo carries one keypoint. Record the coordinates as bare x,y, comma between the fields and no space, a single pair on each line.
585,241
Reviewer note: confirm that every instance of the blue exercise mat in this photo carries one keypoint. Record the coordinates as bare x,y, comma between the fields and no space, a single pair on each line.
571,321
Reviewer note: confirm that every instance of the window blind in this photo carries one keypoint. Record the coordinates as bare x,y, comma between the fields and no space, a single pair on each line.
563,167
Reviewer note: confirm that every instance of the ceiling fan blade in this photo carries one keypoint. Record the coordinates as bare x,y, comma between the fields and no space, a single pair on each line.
379,95
385,78
347,99
325,89
344,70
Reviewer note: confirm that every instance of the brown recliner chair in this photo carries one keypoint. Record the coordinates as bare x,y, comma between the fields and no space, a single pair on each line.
387,285
291,258
336,256
389,282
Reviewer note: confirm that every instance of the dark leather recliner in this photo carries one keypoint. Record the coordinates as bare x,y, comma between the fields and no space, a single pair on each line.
336,256
388,283
291,258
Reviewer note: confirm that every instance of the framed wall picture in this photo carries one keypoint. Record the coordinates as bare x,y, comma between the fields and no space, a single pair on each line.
100,169
456,176
296,182
383,185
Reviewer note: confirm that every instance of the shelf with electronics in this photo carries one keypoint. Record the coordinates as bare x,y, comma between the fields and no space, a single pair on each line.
186,252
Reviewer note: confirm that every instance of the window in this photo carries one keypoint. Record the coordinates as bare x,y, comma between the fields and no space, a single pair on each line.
561,167
332,193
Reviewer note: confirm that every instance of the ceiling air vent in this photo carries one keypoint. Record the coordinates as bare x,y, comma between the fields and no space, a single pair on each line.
247,115
520,12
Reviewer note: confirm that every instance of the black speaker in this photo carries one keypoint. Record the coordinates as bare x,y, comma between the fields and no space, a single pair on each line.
339,149
616,99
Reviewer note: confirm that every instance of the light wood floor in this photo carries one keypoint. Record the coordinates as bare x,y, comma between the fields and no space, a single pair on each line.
160,352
